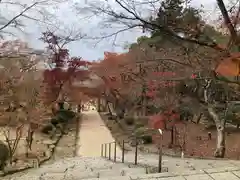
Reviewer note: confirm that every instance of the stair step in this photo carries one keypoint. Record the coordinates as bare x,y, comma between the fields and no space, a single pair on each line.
77,175
111,178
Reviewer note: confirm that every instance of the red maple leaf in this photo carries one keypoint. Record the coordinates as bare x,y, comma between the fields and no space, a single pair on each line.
193,76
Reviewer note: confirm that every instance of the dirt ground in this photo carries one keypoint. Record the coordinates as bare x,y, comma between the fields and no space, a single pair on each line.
196,138
37,146
65,147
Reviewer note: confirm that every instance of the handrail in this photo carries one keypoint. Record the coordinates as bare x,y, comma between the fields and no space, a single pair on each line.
104,150
108,146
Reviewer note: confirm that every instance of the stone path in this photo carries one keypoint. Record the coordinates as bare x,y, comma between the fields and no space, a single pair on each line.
179,165
78,168
85,168
93,133
91,166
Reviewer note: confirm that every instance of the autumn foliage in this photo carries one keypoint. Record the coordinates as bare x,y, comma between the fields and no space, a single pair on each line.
65,69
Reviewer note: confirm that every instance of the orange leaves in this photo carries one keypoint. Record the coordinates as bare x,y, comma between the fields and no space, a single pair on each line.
110,69
229,66
159,121
67,69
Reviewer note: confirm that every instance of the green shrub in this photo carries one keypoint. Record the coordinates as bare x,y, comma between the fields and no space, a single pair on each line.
129,120
147,139
4,155
145,134
140,131
64,115
138,125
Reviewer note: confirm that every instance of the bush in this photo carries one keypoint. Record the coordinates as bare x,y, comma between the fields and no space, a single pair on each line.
4,155
139,132
112,117
63,116
147,139
47,129
144,134
129,120
138,125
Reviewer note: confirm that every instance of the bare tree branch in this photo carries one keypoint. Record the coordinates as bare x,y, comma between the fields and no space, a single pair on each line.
132,19
228,23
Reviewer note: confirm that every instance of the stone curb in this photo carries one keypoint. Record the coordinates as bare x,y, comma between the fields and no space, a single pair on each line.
195,157
186,156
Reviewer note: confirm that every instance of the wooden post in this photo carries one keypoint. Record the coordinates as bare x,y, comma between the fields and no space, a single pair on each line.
160,160
99,104
160,152
105,150
109,151
101,150
115,151
123,151
136,152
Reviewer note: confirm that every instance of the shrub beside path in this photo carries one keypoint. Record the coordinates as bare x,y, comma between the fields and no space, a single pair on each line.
93,133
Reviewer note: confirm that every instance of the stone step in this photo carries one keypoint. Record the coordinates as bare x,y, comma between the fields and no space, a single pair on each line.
81,168
99,168
112,178
75,174
112,166
120,172
133,171
222,173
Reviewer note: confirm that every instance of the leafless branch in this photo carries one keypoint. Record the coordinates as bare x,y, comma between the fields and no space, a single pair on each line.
135,20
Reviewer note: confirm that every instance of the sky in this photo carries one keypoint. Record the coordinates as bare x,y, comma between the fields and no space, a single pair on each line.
87,49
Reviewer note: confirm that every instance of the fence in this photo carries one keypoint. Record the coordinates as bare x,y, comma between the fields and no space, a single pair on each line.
106,152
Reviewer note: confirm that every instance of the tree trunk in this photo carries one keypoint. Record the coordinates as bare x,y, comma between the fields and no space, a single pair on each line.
220,125
103,104
199,118
99,104
144,107
172,135
144,101
79,107
29,139
109,109
220,150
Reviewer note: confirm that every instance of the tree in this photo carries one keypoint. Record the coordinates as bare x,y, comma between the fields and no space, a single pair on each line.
19,92
110,70
179,26
34,11
65,71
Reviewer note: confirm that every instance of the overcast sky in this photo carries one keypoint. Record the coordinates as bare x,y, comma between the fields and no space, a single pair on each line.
88,50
